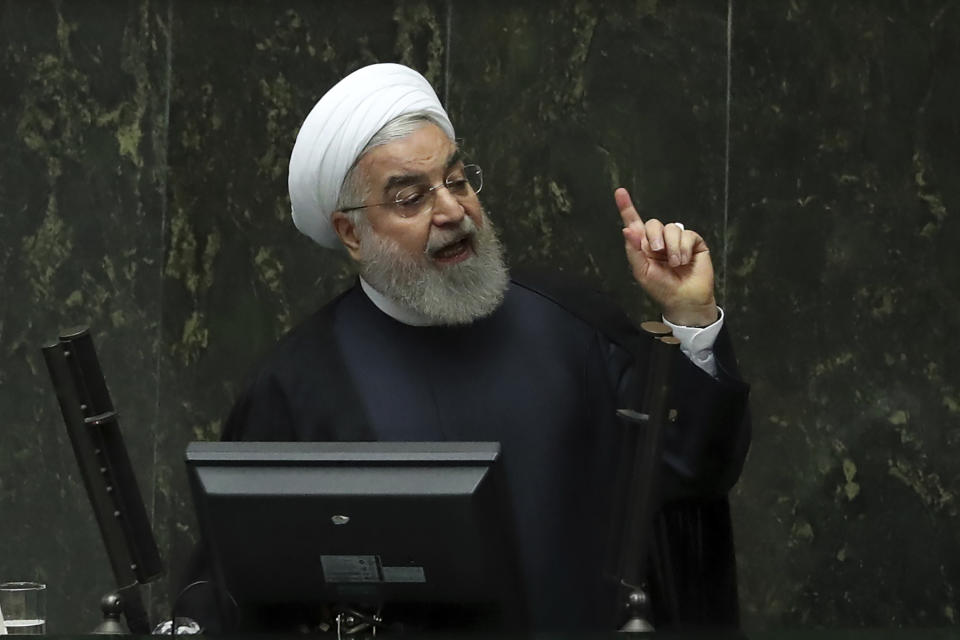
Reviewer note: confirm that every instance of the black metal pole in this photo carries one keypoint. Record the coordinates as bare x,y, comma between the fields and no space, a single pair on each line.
641,500
105,467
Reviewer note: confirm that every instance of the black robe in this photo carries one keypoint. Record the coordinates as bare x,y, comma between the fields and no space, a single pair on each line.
543,375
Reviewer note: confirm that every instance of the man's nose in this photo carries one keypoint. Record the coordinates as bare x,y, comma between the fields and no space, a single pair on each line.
447,209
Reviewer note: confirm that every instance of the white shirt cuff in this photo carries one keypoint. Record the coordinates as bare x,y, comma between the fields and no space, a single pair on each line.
697,342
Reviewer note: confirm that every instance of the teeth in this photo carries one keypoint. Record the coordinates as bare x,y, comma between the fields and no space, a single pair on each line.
450,250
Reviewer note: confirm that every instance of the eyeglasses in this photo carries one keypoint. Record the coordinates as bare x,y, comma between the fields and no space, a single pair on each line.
417,199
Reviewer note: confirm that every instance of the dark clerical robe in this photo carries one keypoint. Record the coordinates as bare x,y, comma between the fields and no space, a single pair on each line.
543,375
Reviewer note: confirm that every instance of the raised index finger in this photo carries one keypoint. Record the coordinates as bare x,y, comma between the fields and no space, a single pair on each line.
628,212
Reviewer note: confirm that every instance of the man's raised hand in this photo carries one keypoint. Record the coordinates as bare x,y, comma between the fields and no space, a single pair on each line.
672,265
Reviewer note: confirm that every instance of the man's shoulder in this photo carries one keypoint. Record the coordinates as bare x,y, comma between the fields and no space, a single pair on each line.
312,334
577,297
298,390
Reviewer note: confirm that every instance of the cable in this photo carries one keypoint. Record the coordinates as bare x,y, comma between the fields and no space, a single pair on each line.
176,603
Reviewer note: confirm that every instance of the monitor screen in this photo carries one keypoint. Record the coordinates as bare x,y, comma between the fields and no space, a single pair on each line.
359,524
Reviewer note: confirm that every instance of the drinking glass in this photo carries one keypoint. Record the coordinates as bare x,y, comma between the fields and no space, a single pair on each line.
24,607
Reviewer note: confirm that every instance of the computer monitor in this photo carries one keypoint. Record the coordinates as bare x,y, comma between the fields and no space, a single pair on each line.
369,524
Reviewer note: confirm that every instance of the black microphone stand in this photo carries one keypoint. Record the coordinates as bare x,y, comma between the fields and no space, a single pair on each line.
104,463
639,473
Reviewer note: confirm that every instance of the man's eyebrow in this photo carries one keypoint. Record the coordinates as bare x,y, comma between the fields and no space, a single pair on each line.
404,180
407,179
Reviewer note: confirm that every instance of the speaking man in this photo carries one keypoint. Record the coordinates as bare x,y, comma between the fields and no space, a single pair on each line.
437,342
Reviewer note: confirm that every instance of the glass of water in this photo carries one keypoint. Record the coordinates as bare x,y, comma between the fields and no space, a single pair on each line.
23,606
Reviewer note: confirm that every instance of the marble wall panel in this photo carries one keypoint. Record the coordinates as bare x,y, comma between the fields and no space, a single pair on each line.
82,145
842,264
237,274
561,104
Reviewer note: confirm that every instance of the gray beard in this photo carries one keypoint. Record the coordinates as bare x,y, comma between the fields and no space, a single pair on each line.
453,294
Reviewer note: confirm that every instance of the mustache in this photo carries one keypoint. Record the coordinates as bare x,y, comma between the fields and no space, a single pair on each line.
442,238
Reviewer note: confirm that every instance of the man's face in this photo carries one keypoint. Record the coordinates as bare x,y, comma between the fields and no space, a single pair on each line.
445,263
427,157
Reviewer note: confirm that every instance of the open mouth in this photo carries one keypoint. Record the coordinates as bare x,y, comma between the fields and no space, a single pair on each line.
454,252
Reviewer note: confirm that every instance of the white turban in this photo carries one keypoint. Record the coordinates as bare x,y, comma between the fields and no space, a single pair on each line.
339,127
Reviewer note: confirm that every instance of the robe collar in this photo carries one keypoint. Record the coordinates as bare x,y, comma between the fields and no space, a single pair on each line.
394,309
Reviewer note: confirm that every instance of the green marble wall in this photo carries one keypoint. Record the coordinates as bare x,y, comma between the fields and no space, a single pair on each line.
83,90
143,153
842,271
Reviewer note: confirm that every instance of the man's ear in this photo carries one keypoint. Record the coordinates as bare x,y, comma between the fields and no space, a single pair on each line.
347,231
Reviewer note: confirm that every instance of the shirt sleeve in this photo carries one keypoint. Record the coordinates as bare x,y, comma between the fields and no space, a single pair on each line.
697,342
